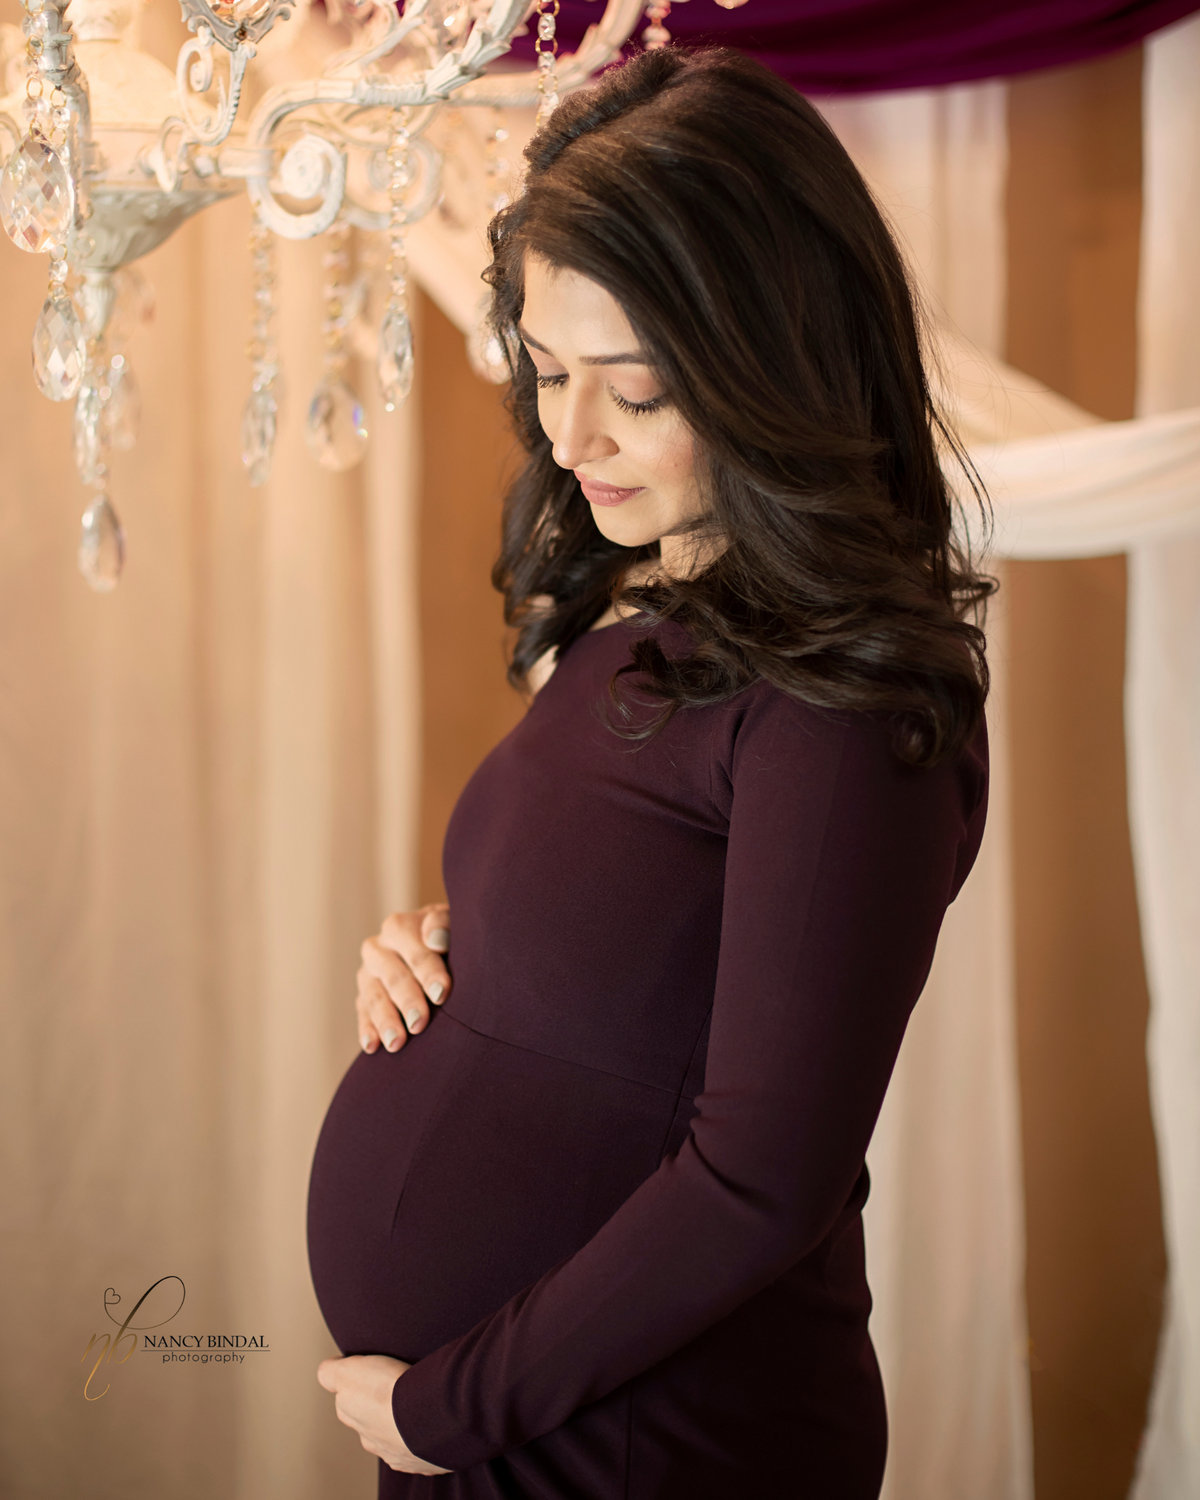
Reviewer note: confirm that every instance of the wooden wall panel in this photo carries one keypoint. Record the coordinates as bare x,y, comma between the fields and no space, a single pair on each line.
1095,1252
467,705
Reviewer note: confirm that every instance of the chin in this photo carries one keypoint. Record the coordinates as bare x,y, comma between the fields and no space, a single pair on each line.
622,524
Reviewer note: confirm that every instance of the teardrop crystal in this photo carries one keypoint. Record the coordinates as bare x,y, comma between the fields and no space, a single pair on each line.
101,546
37,202
258,435
395,363
124,406
88,431
335,429
59,348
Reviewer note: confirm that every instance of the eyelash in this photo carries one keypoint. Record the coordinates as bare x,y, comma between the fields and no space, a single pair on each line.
637,408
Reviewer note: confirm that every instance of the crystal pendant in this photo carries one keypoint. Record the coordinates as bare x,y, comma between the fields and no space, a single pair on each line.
258,435
88,431
59,348
101,546
335,428
37,202
395,362
123,410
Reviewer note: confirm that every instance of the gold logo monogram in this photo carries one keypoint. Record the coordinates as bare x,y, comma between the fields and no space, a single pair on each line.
125,1330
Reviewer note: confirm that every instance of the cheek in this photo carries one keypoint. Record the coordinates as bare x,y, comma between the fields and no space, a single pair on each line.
670,454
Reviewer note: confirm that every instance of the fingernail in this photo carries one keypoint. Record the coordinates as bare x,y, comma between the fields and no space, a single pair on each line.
366,1043
390,1038
413,1020
435,992
439,938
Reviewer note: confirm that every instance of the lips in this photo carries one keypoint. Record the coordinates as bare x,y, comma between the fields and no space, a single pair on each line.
597,493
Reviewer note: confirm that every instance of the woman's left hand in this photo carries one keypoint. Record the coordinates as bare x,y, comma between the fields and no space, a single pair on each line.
362,1384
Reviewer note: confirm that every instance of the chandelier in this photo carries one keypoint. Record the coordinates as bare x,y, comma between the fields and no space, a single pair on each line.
108,153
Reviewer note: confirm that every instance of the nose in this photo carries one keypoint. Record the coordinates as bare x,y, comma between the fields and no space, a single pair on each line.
579,436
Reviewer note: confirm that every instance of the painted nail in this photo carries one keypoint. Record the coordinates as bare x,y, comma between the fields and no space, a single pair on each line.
366,1043
390,1039
439,938
413,1020
435,992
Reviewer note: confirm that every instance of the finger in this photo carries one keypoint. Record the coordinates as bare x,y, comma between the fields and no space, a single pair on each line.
368,1036
383,1016
435,928
402,935
399,982
393,1031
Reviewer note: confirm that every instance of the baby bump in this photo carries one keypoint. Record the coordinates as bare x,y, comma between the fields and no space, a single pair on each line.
454,1172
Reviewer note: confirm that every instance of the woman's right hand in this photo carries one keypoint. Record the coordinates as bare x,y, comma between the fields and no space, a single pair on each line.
402,973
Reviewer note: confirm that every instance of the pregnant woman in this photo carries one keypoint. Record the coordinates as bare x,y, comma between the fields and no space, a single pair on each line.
588,1226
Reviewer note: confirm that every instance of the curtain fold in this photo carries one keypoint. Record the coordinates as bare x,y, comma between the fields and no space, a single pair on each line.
1163,726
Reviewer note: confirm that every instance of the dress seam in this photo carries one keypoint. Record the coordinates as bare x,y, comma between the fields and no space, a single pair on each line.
679,1094
569,1062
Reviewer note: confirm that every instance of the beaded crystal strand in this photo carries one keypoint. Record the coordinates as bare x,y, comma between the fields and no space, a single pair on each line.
656,34
395,359
484,349
546,47
37,197
335,429
260,418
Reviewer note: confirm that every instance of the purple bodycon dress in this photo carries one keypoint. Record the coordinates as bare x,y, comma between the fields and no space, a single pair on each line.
609,1203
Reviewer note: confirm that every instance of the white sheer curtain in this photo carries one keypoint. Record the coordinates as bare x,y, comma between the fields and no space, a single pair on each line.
1163,714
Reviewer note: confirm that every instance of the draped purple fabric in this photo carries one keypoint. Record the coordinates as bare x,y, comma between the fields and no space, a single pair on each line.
859,46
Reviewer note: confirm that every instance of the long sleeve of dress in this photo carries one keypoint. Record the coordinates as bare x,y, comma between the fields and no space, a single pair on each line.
839,867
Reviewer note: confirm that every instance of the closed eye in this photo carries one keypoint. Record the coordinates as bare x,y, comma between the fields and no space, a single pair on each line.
636,408
639,408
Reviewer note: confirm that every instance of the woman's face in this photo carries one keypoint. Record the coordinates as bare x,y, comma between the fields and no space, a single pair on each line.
602,407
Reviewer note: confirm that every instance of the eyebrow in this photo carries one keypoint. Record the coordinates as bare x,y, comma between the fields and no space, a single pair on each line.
587,359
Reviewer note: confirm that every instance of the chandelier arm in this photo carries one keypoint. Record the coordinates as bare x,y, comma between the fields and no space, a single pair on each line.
232,32
487,40
194,76
601,44
363,217
343,120
399,28
312,167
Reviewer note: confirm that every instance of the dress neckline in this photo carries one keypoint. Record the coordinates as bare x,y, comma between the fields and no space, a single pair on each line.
622,620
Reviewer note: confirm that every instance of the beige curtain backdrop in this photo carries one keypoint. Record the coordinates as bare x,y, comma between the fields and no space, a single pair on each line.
207,800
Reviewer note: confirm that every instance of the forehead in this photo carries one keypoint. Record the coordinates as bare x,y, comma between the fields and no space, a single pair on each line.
572,315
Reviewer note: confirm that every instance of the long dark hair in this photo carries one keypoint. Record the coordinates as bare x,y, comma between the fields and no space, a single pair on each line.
725,217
